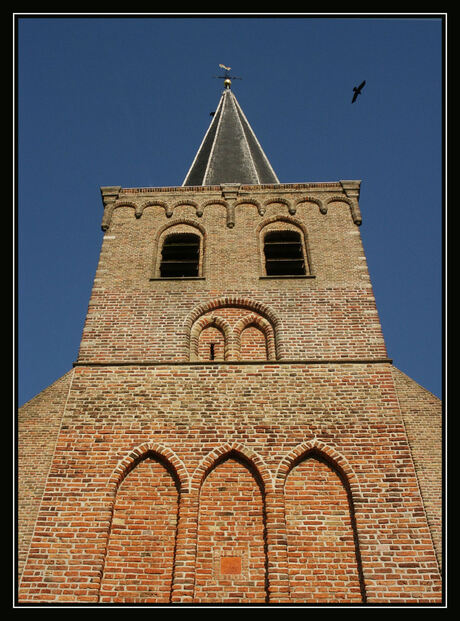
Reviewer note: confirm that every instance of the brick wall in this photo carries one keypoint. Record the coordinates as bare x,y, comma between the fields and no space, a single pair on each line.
324,561
422,415
279,472
37,431
230,557
192,416
330,313
139,560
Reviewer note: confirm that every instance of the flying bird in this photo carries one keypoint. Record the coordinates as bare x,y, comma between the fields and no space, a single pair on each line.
224,67
357,91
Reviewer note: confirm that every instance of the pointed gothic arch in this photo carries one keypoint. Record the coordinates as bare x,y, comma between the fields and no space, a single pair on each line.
253,459
231,544
320,507
315,445
164,453
140,550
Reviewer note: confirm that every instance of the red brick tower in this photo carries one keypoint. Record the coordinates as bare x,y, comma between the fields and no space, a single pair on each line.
232,430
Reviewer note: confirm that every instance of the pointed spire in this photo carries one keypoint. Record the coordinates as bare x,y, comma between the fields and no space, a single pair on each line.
230,151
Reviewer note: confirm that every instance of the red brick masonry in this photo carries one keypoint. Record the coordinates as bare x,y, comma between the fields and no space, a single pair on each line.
232,438
159,472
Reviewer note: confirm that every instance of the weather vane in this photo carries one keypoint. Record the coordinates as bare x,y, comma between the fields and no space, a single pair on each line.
227,78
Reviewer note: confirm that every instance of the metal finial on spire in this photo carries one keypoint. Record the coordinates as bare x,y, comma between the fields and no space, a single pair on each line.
227,78
229,151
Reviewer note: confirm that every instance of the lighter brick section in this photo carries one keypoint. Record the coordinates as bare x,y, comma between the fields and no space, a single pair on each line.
422,414
38,426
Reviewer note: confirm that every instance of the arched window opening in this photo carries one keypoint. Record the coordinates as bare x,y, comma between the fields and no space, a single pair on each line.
180,256
284,254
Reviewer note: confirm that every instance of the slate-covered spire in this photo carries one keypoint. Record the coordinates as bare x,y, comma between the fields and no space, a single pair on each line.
230,151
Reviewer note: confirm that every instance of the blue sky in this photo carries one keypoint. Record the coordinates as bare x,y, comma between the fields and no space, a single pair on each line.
126,101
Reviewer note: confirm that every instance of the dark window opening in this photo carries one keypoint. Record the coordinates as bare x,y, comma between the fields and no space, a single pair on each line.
212,352
180,256
284,254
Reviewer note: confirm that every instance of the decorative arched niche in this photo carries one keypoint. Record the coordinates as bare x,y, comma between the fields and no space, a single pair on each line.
231,546
210,339
254,338
140,550
320,490
238,332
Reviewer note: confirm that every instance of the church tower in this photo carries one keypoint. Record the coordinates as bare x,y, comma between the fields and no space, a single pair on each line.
233,430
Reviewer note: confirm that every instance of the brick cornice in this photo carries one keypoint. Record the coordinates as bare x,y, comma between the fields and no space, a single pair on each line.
172,363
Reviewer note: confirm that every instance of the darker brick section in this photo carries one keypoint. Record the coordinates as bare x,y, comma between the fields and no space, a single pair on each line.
194,410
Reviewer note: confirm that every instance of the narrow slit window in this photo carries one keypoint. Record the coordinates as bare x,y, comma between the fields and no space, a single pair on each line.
284,254
180,256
